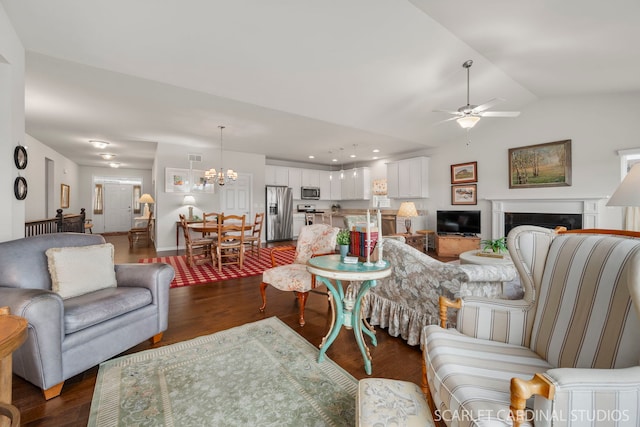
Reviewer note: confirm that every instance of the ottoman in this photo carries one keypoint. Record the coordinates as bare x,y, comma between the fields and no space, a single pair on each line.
382,402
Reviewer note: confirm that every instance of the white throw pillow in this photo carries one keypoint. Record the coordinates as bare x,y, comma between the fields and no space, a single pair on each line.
78,270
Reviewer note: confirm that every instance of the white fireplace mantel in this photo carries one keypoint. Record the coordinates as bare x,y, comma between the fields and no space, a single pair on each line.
588,207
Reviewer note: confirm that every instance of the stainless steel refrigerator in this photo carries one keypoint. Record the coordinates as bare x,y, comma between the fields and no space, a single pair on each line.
279,207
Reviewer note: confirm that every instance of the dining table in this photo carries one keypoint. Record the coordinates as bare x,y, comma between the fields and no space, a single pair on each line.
211,227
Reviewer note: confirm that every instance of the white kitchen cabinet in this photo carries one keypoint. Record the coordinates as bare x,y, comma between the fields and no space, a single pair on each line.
356,184
336,186
325,185
409,178
311,178
298,223
295,182
392,180
276,175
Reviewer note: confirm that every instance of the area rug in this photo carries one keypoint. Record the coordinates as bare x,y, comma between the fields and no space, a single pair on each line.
258,374
207,273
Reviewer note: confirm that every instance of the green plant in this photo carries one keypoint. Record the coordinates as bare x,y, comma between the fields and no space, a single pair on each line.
344,237
497,245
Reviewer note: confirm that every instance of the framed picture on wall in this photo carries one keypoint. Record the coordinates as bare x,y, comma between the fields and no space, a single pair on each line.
464,194
200,184
64,196
541,165
177,180
464,173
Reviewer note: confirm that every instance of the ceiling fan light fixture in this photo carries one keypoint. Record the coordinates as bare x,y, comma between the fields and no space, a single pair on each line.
467,122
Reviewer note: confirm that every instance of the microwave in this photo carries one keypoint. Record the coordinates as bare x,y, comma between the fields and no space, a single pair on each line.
309,193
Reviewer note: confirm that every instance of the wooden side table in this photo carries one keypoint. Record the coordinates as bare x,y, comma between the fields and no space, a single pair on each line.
417,241
13,332
430,236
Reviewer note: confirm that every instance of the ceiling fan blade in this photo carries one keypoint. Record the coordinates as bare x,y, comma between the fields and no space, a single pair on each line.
456,113
487,105
499,114
446,120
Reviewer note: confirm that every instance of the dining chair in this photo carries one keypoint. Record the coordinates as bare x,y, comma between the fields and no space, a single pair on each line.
210,217
230,246
313,240
253,240
141,232
198,251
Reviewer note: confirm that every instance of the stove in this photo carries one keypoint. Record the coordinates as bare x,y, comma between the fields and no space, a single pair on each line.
308,209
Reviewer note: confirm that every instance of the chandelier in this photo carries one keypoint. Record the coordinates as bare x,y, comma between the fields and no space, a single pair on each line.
220,177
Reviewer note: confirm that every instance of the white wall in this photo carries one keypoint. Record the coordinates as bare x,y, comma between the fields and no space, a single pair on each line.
86,193
169,205
12,216
65,172
597,125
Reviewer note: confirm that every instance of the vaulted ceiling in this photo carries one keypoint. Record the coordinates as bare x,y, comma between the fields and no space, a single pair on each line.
293,78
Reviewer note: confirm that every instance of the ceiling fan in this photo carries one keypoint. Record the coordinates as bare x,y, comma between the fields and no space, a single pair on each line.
468,115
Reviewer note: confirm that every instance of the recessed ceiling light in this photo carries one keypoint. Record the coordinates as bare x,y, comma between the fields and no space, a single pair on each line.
114,164
352,156
98,144
375,150
375,157
312,156
107,156
334,160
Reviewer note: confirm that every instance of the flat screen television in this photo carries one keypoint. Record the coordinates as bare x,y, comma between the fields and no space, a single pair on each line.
458,222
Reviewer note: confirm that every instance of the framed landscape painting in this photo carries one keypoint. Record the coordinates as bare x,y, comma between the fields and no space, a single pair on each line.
541,165
464,172
464,194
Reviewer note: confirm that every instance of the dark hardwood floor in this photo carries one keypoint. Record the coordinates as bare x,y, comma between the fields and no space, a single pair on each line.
205,309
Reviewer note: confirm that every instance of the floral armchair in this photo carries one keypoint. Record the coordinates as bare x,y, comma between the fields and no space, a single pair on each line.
572,342
314,240
407,300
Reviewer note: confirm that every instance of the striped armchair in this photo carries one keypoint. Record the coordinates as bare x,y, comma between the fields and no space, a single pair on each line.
565,355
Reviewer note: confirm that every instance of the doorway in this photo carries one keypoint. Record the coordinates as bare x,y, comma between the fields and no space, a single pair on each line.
117,207
236,198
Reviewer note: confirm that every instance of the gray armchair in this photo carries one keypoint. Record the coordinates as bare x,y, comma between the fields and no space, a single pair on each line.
69,336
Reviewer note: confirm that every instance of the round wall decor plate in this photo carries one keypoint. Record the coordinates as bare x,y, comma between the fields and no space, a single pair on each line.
20,188
20,157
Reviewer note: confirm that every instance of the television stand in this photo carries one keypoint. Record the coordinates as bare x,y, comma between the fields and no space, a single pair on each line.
453,245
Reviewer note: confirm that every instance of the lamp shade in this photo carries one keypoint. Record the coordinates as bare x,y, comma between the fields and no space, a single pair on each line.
189,201
407,209
467,122
146,198
628,192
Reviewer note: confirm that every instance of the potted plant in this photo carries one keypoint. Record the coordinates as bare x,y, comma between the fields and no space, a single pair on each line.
497,246
344,238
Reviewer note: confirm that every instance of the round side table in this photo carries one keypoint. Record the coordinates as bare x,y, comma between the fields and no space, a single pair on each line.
471,257
13,332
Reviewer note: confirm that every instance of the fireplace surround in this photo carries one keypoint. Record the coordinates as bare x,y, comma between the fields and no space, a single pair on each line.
586,208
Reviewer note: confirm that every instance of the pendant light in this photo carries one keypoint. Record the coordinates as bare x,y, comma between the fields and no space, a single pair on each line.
220,177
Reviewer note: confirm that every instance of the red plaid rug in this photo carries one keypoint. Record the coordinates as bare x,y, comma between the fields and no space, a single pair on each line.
207,273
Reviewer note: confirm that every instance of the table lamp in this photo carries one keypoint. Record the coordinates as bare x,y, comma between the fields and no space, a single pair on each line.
146,199
407,210
189,201
628,192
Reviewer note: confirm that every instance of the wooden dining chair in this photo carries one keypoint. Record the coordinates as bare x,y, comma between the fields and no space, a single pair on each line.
253,240
141,232
210,217
230,246
198,250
